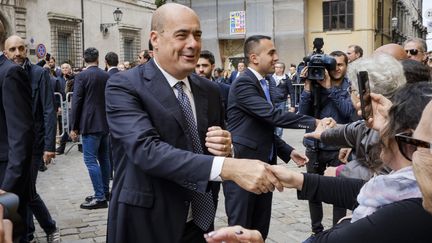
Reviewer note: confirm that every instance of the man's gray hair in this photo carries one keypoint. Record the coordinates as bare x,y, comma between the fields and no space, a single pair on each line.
386,74
420,41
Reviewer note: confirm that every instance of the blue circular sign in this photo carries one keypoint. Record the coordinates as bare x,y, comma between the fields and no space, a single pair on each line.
40,50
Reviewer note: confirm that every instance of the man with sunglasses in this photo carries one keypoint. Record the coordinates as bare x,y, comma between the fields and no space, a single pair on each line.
416,49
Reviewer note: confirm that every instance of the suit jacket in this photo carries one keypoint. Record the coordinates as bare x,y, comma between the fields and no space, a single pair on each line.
16,129
44,114
88,101
232,77
156,169
113,71
252,120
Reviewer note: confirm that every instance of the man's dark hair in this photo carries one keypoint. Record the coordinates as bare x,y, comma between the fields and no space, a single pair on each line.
293,65
357,49
150,45
112,59
415,71
208,55
339,54
146,54
219,70
91,54
251,43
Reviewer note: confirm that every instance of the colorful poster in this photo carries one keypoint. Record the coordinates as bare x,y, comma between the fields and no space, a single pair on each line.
237,22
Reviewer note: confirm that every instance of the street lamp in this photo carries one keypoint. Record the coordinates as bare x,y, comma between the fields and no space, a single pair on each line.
118,14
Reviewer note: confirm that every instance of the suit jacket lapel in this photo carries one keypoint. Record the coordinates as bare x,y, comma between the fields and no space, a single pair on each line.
162,91
257,82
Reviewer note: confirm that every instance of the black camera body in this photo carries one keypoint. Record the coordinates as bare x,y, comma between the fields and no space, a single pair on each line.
317,64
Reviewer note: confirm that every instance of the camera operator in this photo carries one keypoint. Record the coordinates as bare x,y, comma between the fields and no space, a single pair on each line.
328,97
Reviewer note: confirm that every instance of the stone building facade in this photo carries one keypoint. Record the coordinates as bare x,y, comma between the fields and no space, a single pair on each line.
67,27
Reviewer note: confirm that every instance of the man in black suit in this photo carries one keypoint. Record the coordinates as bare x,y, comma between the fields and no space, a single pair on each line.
89,120
241,66
165,123
111,62
252,118
44,116
204,68
16,134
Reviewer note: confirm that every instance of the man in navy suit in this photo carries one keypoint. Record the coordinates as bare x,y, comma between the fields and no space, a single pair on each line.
44,116
204,68
89,120
165,124
111,62
16,134
241,66
252,119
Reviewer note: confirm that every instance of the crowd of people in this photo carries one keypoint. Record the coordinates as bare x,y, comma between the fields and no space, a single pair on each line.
171,130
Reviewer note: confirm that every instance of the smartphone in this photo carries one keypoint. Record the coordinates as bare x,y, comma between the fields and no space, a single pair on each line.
364,91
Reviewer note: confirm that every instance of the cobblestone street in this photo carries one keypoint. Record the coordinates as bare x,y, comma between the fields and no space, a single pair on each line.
66,183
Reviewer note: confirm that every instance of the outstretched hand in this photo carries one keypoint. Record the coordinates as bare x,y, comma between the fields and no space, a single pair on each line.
234,234
251,175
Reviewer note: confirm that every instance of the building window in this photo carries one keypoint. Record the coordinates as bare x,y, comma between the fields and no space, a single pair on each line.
130,43
64,47
337,15
129,50
66,42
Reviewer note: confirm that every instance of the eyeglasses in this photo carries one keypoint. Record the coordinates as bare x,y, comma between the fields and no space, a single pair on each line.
413,52
408,145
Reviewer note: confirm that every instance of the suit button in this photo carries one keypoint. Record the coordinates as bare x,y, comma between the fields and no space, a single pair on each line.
194,187
186,203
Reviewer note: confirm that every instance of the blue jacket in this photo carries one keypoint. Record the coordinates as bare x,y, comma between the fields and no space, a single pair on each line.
335,102
43,109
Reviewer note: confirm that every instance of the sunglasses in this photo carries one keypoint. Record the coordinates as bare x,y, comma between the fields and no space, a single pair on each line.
408,145
413,52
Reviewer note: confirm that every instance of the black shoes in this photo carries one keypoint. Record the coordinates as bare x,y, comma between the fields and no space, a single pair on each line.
90,198
94,204
43,168
80,148
61,149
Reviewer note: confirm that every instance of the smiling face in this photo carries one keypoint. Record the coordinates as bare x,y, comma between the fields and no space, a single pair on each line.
177,42
264,57
422,158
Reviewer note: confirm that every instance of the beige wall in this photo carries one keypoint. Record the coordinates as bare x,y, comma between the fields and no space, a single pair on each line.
363,33
135,16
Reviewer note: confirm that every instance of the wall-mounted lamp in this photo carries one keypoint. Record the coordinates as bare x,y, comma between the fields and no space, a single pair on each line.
394,22
118,14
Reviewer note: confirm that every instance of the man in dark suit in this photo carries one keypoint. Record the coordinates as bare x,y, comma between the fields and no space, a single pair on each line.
204,68
89,120
165,124
111,62
241,66
44,117
16,134
252,118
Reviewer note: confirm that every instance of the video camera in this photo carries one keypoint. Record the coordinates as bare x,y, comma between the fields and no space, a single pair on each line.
317,62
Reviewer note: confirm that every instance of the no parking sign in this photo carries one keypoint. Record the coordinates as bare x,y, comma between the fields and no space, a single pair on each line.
40,50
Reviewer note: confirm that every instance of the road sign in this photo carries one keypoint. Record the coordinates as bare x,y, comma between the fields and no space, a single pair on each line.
40,50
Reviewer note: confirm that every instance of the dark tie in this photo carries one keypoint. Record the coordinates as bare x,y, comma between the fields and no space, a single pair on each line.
265,87
203,209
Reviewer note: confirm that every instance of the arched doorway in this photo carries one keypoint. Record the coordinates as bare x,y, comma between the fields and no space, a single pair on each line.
2,34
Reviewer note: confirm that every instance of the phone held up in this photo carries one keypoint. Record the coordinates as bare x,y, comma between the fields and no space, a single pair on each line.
364,91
